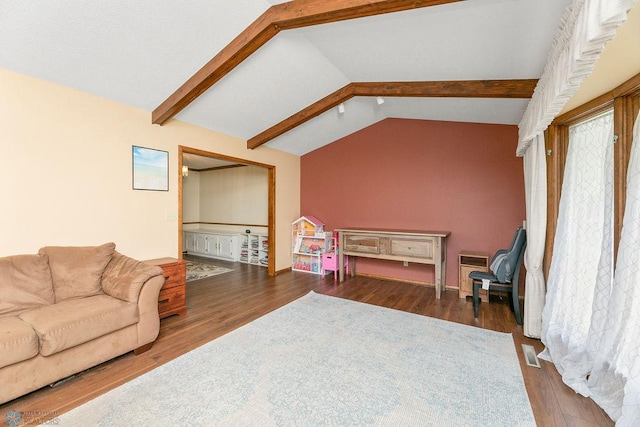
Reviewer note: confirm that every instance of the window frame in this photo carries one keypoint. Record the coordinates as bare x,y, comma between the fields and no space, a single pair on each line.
625,102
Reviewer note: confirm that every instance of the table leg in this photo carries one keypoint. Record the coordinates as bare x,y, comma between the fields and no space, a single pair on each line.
438,279
444,263
340,256
438,265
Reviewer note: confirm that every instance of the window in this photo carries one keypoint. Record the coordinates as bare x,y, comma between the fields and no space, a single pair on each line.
624,101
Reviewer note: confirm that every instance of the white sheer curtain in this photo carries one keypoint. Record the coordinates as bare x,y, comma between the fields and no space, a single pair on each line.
585,28
580,249
591,319
535,184
596,329
614,382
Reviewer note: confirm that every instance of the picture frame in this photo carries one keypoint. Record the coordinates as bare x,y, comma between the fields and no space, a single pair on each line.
150,169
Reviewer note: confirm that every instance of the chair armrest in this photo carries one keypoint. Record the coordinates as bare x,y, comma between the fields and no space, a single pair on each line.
124,277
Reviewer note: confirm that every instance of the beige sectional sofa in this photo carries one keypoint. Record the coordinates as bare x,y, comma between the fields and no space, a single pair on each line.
67,309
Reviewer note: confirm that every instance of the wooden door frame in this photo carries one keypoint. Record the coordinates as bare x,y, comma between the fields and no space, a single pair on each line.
271,208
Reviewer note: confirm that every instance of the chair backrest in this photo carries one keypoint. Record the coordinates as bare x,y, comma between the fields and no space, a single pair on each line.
506,263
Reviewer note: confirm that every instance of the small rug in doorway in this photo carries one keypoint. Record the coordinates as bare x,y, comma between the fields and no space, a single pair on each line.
326,361
197,271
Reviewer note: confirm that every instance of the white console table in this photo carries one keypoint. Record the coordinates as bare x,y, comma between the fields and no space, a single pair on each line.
423,247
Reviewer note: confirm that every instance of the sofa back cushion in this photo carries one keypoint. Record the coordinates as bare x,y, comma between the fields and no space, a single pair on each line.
76,271
25,283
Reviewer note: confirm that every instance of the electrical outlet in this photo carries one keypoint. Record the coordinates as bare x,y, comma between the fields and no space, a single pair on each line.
170,216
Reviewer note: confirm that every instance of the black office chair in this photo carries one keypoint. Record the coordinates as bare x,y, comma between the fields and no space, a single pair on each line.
504,274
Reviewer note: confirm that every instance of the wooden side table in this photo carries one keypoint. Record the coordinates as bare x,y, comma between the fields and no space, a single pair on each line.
416,246
173,295
469,261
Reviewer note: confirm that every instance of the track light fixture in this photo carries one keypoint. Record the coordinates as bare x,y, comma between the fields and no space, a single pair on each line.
341,108
379,100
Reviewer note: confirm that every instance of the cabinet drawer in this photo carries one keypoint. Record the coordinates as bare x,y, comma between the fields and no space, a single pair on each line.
174,278
414,248
362,244
171,299
466,284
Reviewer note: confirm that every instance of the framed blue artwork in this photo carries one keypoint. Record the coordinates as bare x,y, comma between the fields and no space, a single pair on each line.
150,169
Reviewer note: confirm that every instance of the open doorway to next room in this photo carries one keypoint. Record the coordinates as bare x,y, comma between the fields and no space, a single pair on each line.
233,196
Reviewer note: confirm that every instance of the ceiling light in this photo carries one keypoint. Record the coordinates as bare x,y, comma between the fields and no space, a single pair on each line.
379,100
341,108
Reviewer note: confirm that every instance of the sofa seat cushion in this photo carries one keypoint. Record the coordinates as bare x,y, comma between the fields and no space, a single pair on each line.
18,341
73,322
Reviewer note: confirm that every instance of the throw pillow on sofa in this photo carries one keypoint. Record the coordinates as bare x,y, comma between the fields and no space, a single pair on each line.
77,271
124,277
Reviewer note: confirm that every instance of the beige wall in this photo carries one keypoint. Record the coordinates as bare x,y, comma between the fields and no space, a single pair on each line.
65,173
235,195
619,61
191,197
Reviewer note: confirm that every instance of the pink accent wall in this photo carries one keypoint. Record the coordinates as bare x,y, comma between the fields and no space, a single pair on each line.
418,174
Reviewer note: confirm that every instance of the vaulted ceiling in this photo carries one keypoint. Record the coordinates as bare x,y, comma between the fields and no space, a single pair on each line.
259,71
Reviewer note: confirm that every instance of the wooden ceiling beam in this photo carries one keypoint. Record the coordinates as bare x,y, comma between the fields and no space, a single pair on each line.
216,168
293,14
305,13
519,88
308,113
240,48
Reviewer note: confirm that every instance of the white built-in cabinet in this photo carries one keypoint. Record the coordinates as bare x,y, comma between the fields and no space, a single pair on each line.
213,245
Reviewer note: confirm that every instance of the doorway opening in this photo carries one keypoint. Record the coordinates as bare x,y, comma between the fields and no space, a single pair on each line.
188,154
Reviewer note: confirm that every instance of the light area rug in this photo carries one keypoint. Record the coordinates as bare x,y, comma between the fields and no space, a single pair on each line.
197,270
326,361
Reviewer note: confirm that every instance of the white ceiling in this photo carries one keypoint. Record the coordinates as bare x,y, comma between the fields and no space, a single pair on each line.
138,53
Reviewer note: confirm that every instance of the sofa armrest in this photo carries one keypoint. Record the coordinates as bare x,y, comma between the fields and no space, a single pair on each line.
124,277
149,323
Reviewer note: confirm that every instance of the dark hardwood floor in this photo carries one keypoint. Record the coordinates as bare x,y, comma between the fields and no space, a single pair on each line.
220,304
